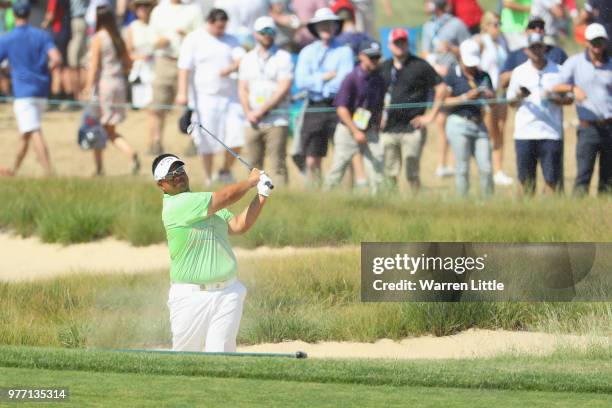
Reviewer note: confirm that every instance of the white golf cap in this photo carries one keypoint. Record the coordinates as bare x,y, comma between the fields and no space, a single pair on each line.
163,167
470,53
264,22
594,31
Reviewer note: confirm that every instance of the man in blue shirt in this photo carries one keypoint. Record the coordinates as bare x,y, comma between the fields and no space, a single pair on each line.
321,68
588,75
31,54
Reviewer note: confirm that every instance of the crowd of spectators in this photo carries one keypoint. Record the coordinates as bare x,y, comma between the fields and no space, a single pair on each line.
238,68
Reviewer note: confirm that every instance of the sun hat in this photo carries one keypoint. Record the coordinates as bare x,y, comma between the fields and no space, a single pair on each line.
324,14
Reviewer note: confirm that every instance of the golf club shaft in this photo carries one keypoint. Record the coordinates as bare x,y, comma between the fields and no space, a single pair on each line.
230,150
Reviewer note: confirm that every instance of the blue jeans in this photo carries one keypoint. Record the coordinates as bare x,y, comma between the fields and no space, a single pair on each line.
594,140
468,139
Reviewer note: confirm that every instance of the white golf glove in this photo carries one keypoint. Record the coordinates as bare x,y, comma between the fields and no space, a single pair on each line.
262,188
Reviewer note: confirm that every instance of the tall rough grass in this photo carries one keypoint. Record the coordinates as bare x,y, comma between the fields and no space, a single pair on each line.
312,298
76,210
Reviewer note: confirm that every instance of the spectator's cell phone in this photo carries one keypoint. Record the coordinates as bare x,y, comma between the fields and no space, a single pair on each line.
525,92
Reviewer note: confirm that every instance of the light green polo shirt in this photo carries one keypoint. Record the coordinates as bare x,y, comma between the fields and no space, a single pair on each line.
515,21
200,251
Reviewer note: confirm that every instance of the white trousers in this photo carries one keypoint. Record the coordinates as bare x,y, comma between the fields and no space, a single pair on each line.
223,117
205,320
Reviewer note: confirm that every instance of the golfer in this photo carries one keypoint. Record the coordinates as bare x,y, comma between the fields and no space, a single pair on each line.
205,298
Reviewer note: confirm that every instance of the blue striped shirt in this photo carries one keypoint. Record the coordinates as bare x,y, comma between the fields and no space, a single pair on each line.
596,82
314,61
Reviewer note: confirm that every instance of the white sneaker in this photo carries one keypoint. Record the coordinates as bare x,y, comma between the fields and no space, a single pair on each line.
501,179
445,171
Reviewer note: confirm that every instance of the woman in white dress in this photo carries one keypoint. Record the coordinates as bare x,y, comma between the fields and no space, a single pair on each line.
494,54
140,43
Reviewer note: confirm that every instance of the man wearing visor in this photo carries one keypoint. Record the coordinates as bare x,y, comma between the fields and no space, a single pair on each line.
206,298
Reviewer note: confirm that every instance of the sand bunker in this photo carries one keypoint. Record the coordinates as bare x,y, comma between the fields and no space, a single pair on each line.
473,343
31,259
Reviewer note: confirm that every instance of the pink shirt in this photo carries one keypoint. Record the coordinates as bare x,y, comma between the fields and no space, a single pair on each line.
304,10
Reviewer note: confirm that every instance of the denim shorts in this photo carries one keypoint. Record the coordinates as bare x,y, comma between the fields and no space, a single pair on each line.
548,152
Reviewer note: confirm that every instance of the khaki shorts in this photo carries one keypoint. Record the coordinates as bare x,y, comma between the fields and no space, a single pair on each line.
165,83
78,41
271,143
403,149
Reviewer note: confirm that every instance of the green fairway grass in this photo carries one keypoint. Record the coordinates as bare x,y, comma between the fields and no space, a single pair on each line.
106,389
76,210
302,297
560,372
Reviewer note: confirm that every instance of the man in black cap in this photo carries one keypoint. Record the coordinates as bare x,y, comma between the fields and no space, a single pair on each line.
359,104
31,54
515,58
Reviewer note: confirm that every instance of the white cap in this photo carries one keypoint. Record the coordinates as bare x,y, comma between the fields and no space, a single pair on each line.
324,14
594,31
264,22
470,53
163,167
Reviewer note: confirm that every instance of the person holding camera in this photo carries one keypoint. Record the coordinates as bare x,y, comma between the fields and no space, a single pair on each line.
465,127
538,124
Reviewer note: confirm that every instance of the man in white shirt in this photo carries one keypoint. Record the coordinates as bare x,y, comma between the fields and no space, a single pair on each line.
212,56
264,81
171,22
538,127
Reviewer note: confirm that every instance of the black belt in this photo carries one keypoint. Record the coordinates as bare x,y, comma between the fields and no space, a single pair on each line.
322,102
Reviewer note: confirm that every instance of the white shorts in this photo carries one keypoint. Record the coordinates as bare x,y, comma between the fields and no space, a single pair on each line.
205,320
221,116
28,112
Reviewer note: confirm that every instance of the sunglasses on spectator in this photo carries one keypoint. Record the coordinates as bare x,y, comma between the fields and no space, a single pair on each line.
374,58
180,171
598,42
268,31
538,24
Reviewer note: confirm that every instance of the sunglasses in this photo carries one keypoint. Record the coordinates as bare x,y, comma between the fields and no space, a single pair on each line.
598,42
539,25
180,171
374,58
268,31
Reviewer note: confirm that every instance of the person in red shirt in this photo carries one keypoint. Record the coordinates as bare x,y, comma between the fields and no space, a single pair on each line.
57,22
468,11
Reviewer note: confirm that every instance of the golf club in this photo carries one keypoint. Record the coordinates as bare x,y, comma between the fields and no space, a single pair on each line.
233,153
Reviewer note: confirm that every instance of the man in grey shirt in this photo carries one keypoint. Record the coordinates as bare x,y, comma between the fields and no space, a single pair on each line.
441,37
588,76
